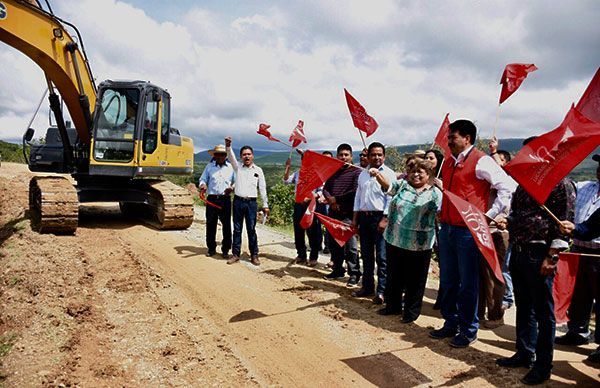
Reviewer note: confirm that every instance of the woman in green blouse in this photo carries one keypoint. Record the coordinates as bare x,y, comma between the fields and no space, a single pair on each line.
409,234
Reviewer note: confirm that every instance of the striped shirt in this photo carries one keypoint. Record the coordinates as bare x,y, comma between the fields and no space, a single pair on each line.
586,203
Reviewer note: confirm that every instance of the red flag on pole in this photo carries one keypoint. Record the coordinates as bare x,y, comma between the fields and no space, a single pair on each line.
475,221
589,103
314,171
341,232
297,135
263,129
309,214
544,161
564,283
442,137
360,118
512,78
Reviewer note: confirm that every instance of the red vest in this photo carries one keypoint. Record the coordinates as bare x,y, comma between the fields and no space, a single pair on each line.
461,180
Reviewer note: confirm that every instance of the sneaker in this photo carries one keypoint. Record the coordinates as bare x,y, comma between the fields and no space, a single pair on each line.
515,361
378,299
254,260
334,275
313,263
493,324
535,377
361,293
572,339
352,282
233,259
300,260
442,333
594,356
462,341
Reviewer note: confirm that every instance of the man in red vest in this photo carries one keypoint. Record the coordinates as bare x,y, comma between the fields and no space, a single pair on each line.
468,173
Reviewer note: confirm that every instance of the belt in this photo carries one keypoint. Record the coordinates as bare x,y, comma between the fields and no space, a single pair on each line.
247,199
216,196
526,246
372,212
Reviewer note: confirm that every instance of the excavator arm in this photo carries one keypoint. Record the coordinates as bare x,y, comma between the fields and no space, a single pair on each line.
42,37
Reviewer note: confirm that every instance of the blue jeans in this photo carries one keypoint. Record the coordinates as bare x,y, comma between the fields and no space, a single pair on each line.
459,279
349,252
372,248
508,298
536,323
244,210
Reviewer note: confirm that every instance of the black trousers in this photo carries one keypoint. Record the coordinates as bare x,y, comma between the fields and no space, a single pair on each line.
586,294
315,236
213,215
406,279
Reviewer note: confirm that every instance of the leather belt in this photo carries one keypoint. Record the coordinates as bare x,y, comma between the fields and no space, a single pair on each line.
217,196
372,212
246,199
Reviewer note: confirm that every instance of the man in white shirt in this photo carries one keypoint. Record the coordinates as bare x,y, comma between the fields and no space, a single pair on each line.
248,180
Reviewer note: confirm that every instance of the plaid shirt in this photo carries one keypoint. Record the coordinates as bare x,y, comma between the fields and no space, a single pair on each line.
528,222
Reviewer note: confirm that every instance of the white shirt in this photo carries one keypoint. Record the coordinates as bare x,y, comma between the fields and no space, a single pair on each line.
294,179
369,194
248,179
487,169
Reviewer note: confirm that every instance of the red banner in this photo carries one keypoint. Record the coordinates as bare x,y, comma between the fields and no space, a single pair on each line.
513,76
341,232
360,118
442,137
314,171
478,226
297,135
564,283
263,129
589,104
544,161
309,214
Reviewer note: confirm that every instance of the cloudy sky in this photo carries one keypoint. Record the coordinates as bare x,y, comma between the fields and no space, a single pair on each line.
230,65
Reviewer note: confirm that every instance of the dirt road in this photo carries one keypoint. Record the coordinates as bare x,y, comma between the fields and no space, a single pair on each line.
121,304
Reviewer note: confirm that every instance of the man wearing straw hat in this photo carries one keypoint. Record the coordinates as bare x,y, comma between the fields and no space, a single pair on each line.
216,184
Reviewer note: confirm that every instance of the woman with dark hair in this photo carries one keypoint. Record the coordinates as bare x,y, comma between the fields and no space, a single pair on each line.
436,158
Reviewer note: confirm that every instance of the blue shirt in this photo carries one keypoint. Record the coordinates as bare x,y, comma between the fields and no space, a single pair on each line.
217,178
586,203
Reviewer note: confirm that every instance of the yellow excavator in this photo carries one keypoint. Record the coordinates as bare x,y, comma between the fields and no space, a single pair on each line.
115,152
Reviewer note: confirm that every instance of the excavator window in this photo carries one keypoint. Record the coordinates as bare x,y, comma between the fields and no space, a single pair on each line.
115,125
150,134
165,120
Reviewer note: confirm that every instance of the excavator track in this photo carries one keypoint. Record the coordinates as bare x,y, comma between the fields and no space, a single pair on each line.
173,206
53,205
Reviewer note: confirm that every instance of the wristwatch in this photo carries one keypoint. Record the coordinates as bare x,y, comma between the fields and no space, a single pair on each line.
553,258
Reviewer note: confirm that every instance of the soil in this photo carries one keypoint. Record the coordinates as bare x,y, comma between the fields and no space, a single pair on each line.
122,304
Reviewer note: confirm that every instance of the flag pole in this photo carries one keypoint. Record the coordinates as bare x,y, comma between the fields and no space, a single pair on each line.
550,214
362,138
496,123
440,169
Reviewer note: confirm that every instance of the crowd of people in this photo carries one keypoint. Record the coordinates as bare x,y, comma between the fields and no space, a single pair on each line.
402,218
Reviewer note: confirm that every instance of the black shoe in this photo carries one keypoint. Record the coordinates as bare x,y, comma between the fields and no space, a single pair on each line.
334,275
353,281
300,260
210,253
594,356
572,339
408,319
325,251
462,341
361,293
378,299
442,333
515,361
535,377
225,255
389,311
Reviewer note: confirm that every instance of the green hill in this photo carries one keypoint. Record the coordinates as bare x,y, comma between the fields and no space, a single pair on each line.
11,152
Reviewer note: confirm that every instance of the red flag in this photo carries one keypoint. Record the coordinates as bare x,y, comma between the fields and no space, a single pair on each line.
512,78
297,135
442,137
543,162
263,129
475,221
361,119
589,103
314,171
341,232
309,214
564,283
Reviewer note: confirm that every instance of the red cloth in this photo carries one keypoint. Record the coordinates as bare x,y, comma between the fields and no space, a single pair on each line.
263,129
589,103
341,232
314,171
543,162
360,118
442,137
309,214
564,283
297,135
478,226
513,76
461,180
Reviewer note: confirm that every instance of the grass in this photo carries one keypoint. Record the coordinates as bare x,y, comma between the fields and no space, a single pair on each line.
7,340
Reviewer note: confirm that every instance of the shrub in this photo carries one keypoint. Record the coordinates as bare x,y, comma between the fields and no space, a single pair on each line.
281,204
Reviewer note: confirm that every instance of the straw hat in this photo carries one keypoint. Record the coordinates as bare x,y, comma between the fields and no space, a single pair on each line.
219,149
